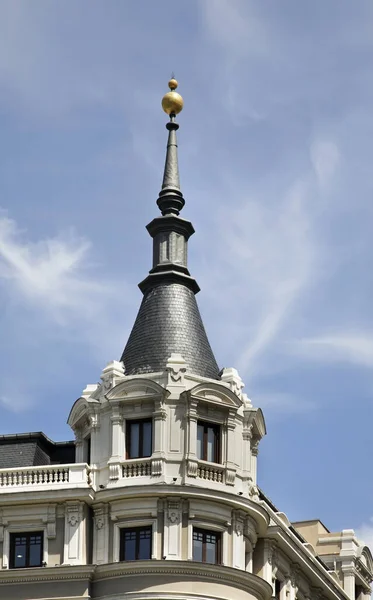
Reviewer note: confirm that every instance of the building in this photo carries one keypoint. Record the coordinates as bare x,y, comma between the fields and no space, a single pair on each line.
157,496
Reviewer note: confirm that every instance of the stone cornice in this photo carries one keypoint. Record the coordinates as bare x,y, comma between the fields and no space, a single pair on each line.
188,569
41,574
172,569
36,494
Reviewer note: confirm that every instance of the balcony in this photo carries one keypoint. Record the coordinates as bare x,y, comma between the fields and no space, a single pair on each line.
45,477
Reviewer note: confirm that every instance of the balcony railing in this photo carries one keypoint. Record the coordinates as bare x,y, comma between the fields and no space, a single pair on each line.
210,472
138,467
45,475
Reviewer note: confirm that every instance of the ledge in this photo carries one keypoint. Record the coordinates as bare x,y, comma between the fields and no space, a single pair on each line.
151,573
41,574
175,570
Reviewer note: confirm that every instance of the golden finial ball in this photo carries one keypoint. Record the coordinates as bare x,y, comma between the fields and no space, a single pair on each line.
172,102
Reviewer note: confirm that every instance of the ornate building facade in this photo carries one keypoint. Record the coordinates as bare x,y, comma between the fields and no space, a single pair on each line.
157,497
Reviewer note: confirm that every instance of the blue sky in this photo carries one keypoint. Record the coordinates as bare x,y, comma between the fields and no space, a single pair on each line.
276,149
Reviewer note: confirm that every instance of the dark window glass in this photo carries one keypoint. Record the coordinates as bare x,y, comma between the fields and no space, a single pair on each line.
26,550
139,442
208,442
277,589
206,546
88,450
136,543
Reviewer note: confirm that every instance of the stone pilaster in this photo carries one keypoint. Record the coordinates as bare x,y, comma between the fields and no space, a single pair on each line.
173,511
75,543
101,534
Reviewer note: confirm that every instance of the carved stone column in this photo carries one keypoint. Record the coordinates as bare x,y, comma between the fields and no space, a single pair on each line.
269,561
230,471
74,546
159,421
101,534
172,528
79,458
238,540
348,569
192,461
251,536
50,521
117,442
291,583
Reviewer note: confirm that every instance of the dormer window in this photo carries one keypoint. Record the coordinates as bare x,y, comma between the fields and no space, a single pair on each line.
139,442
208,442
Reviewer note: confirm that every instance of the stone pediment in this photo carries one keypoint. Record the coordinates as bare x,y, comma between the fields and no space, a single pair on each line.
81,407
136,389
216,393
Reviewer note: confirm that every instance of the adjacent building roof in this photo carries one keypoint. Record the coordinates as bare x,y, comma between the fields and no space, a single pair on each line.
32,450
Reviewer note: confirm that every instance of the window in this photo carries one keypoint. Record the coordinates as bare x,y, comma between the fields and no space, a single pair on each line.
208,438
135,543
206,546
26,549
87,449
139,438
277,589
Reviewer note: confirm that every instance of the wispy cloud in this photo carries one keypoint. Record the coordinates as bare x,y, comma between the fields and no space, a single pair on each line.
53,273
52,297
325,158
365,533
284,403
353,348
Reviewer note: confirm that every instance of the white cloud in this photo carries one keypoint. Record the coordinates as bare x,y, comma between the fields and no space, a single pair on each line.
269,258
52,273
235,26
365,533
278,402
325,158
353,348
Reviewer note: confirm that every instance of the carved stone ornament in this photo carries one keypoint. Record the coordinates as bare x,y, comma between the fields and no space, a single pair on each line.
192,468
247,432
230,476
176,368
255,446
100,522
114,471
114,370
232,378
157,467
238,528
72,519
173,512
253,490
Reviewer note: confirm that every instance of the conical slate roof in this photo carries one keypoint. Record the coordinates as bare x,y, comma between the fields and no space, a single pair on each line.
169,321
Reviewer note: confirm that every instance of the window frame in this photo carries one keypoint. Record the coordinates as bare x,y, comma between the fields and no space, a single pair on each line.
140,422
216,427
218,546
136,529
27,535
130,523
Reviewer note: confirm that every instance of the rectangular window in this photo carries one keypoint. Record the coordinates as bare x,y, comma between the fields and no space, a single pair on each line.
277,589
206,546
139,443
26,549
208,442
136,543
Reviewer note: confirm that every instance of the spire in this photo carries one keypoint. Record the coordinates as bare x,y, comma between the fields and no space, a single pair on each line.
169,321
170,200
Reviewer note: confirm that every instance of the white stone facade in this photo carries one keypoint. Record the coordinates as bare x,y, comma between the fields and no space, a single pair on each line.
82,509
